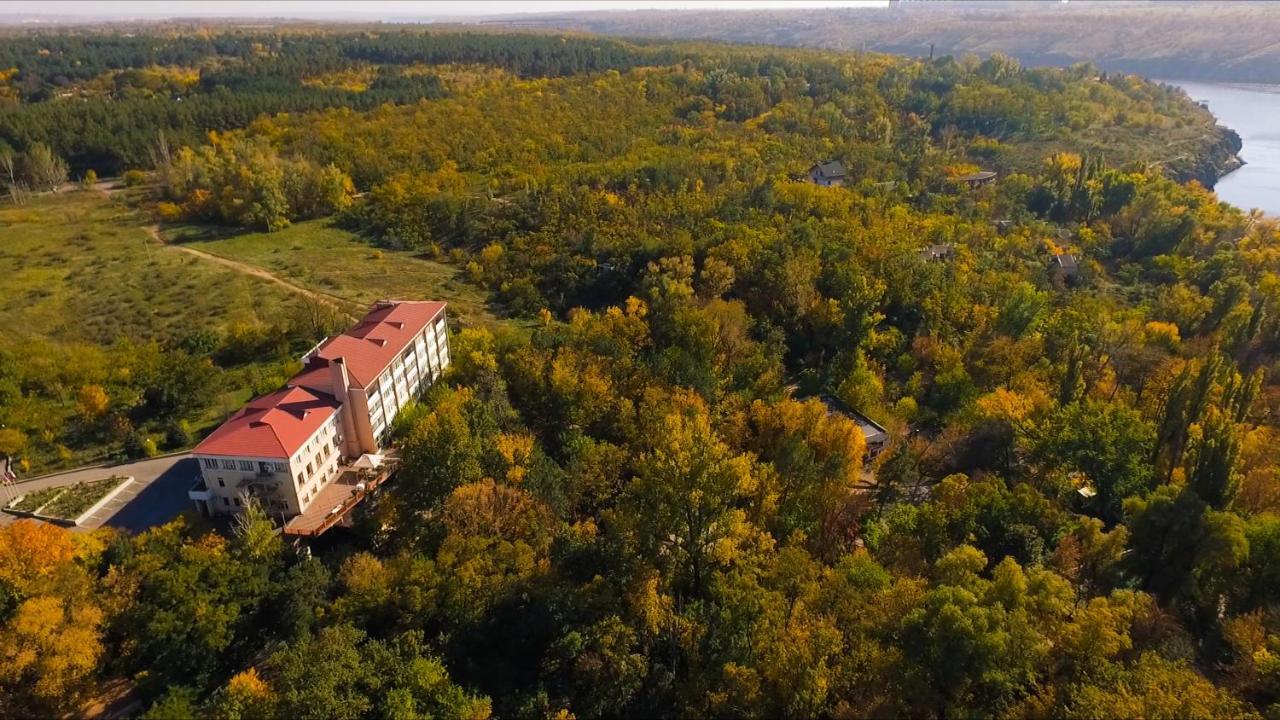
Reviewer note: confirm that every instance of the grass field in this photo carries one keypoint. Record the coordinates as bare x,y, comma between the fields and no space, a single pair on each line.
83,269
332,261
79,269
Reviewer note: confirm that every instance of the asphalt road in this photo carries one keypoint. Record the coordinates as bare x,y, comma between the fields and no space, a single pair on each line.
157,494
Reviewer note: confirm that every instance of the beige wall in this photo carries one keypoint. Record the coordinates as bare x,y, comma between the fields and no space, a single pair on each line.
287,494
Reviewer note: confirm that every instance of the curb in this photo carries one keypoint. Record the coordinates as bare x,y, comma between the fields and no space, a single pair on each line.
125,481
119,488
108,464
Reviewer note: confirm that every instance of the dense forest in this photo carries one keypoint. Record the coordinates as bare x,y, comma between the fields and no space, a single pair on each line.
648,499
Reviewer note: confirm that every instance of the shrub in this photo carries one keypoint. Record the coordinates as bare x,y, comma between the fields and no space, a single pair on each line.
177,435
169,212
135,445
134,178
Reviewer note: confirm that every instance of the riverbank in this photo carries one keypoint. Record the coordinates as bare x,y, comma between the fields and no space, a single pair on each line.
1249,109
1218,159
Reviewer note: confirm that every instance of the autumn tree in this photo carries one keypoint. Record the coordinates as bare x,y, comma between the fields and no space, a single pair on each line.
684,503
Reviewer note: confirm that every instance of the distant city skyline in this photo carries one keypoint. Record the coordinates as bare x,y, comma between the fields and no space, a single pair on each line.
378,9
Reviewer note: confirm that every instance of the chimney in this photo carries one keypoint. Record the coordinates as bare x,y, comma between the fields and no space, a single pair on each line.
338,379
340,383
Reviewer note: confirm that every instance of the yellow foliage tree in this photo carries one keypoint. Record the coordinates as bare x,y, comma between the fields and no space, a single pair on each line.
91,402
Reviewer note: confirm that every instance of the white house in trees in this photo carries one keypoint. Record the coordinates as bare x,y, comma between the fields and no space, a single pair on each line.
300,450
828,173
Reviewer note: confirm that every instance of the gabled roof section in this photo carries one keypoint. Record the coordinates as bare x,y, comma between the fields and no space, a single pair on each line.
275,425
369,347
830,169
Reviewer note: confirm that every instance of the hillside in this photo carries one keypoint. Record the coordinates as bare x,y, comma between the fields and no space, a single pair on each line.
1220,41
847,384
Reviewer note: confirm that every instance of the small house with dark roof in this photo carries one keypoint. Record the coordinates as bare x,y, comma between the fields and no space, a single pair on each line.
828,173
978,179
1066,269
938,253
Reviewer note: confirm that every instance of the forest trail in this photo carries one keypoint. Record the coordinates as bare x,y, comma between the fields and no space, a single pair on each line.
341,304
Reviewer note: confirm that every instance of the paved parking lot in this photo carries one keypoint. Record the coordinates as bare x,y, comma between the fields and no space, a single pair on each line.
157,494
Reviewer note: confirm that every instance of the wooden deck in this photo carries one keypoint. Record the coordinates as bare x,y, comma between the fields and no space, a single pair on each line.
334,502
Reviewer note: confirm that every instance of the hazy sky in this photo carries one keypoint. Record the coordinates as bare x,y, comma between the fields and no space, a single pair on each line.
377,9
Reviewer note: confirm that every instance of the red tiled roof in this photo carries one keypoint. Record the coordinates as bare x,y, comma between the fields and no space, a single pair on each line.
274,425
370,346
315,376
277,424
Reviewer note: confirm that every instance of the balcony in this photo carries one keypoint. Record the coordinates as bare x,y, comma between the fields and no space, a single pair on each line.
199,491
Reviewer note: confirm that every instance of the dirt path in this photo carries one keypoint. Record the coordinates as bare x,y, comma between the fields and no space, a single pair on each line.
341,304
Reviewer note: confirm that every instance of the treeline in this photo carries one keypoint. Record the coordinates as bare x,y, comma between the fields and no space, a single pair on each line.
46,62
254,186
110,136
38,168
109,125
241,77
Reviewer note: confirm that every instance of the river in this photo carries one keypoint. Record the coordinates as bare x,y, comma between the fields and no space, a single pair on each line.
1250,110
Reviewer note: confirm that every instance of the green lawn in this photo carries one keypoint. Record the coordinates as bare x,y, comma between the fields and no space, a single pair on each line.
318,256
78,269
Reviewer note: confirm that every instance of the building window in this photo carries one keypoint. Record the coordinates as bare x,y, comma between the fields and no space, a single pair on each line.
225,501
220,483
299,483
209,462
281,467
229,464
246,465
309,470
237,502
